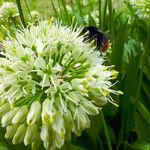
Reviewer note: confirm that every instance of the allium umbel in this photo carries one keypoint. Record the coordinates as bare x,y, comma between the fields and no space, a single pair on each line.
8,10
50,83
142,8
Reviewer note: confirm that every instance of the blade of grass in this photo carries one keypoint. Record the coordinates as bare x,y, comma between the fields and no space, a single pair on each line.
21,12
100,13
106,131
110,15
66,12
54,9
79,5
104,15
28,9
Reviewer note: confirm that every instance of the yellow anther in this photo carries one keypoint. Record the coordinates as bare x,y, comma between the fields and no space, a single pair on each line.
92,42
120,92
62,134
51,120
105,93
86,33
114,74
85,91
73,19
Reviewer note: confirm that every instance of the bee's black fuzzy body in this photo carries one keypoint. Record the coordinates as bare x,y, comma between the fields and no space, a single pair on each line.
101,39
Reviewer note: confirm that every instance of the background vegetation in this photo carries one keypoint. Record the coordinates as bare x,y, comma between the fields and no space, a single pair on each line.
126,127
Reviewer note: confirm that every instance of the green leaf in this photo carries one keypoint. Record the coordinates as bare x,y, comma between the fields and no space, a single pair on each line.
3,147
129,49
112,135
141,145
144,112
94,130
69,146
91,20
75,147
142,128
138,144
146,71
145,88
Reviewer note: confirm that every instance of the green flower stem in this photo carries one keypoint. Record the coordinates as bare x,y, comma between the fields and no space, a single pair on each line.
70,65
21,100
67,64
60,59
12,19
36,98
21,12
106,131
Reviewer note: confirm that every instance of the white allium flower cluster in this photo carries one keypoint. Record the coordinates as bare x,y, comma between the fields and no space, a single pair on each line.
50,83
142,8
8,10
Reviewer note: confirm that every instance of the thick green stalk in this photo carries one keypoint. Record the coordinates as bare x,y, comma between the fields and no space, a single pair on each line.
21,12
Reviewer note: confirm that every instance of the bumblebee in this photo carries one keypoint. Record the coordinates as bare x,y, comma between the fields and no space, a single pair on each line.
101,40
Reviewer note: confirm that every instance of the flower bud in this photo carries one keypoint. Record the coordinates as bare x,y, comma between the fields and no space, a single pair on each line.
10,131
59,141
21,115
19,136
48,111
68,120
34,113
46,144
90,108
58,125
4,109
31,135
7,118
45,135
114,74
81,120
2,102
36,144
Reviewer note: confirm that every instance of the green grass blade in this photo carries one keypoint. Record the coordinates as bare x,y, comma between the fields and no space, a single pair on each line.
21,12
56,14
